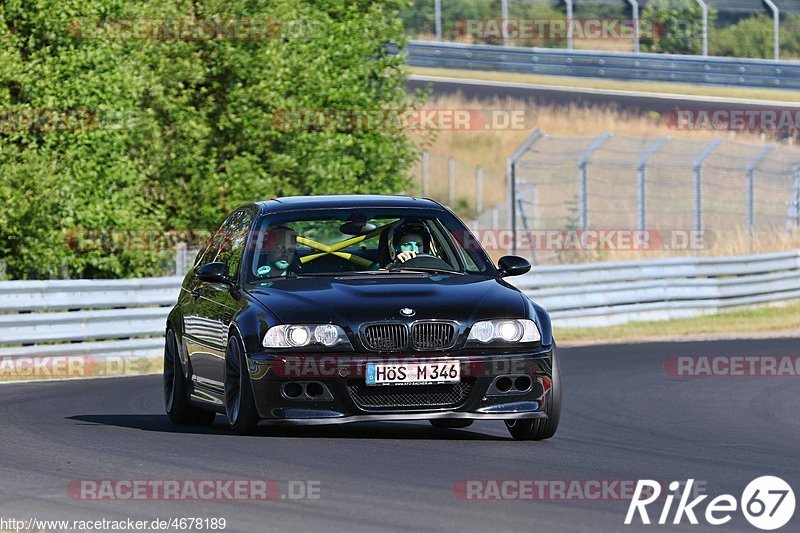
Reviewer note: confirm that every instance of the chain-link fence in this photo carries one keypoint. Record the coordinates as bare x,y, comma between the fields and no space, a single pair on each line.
475,193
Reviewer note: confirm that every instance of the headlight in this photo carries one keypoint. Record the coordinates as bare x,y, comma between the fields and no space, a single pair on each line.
508,330
299,335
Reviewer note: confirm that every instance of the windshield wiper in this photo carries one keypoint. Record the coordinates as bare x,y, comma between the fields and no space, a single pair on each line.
424,269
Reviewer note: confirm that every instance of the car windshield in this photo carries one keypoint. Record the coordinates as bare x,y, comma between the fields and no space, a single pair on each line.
335,242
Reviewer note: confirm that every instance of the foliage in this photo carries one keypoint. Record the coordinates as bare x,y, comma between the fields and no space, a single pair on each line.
753,37
678,26
176,132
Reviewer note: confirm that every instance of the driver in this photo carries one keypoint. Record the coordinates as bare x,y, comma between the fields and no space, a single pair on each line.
281,245
408,240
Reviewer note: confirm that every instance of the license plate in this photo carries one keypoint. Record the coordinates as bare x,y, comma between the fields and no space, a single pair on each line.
413,373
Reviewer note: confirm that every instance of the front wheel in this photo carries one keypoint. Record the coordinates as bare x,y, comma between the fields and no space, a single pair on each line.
240,405
541,428
177,390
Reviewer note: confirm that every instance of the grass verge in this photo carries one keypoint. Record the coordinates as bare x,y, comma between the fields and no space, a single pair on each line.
779,95
756,321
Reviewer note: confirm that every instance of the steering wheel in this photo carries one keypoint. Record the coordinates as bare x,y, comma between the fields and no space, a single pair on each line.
423,261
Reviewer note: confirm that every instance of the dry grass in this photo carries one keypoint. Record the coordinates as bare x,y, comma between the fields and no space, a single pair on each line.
489,148
752,321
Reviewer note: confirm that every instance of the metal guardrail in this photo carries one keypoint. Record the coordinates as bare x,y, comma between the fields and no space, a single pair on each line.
603,294
601,64
127,317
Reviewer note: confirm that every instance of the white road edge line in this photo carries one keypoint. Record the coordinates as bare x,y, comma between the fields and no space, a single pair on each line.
606,92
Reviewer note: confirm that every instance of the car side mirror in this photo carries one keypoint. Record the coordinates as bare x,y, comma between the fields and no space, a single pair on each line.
214,273
512,265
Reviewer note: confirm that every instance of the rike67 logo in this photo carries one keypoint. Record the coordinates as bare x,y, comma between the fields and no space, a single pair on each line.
767,503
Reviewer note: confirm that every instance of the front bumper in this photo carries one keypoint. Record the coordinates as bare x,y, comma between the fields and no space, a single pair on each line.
346,397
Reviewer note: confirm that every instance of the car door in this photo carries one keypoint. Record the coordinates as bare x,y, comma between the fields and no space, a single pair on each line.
213,305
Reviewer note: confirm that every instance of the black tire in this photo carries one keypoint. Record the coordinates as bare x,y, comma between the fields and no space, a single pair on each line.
541,428
451,423
240,405
177,389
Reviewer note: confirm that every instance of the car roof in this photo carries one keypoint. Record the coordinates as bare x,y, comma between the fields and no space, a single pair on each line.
346,201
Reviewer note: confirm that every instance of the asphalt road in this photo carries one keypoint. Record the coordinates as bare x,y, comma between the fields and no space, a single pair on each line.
631,102
625,418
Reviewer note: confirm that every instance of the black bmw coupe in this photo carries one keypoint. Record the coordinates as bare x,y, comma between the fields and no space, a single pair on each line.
332,309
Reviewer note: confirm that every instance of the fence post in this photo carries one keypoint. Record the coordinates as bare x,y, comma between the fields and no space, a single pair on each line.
478,190
583,177
704,10
511,179
504,10
776,25
180,259
641,180
752,166
635,12
793,215
451,179
426,174
698,182
437,15
569,24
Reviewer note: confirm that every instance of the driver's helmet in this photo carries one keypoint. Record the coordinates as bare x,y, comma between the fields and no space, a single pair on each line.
410,235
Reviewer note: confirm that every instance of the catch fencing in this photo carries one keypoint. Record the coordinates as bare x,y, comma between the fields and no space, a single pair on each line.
727,188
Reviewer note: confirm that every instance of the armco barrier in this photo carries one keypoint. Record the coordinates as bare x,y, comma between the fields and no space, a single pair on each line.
127,317
728,71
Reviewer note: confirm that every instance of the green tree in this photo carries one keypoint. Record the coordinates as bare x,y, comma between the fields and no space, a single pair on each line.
753,37
182,130
678,26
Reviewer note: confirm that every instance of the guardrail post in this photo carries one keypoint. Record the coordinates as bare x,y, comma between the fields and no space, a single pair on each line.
478,190
437,17
451,182
698,182
641,180
511,179
583,178
704,9
426,175
752,166
776,24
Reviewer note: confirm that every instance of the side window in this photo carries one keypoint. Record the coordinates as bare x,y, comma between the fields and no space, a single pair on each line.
232,240
227,243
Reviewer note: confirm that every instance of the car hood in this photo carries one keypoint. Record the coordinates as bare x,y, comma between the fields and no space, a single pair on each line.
352,300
